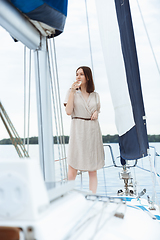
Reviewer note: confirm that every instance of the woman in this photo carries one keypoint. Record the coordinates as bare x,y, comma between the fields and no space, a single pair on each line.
85,144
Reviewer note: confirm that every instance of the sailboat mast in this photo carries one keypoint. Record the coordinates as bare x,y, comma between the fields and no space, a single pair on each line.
44,112
21,29
18,26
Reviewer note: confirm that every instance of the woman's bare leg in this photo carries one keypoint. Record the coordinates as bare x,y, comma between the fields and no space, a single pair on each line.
72,173
93,181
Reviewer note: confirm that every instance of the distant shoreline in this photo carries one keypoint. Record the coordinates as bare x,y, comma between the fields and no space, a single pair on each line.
106,139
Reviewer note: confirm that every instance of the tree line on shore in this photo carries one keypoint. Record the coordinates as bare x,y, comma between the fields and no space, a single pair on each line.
106,139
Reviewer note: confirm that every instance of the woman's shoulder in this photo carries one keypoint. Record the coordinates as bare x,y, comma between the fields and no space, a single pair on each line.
95,93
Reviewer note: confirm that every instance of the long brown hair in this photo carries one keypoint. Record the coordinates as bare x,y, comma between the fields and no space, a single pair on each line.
89,78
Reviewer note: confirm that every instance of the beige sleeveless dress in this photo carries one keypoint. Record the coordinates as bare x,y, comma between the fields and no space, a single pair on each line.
85,150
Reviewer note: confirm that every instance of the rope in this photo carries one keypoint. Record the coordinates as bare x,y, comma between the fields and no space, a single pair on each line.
59,159
11,137
21,145
148,37
79,223
83,222
108,218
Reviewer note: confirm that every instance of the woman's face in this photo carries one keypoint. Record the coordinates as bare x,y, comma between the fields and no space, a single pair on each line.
80,77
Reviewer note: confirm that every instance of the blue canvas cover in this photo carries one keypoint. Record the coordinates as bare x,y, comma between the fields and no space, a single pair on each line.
50,12
134,143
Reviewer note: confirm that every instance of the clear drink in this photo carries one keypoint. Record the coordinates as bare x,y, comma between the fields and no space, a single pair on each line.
79,83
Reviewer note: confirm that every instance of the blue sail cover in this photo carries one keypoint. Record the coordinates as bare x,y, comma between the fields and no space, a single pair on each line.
134,143
50,12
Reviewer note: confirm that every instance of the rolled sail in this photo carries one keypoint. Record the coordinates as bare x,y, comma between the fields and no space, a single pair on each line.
121,62
50,12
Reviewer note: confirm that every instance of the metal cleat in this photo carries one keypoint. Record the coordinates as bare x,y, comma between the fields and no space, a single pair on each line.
151,203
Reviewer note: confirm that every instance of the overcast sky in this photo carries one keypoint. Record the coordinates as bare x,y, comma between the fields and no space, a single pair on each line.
73,51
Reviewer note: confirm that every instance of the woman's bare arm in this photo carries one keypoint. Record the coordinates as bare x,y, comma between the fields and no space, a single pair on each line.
69,106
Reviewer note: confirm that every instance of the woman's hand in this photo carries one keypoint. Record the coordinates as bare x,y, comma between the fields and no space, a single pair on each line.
94,116
75,85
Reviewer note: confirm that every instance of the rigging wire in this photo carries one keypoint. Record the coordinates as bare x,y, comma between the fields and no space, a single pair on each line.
91,57
60,111
14,138
153,182
147,170
56,107
55,115
154,176
154,56
29,96
25,97
89,38
40,111
24,94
